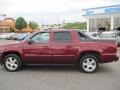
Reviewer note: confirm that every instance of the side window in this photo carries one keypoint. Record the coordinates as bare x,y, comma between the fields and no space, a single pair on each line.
94,35
41,38
82,36
62,37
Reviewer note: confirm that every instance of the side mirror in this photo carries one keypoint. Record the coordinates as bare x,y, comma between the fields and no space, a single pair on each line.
30,42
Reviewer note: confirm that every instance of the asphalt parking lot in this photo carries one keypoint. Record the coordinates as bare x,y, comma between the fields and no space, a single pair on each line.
47,77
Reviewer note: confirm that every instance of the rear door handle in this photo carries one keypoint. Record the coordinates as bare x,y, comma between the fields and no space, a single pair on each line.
68,46
46,46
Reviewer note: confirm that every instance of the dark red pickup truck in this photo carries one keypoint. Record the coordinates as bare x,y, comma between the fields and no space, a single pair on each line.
58,47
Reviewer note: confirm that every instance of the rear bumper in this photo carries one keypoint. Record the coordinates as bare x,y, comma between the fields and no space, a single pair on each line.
109,58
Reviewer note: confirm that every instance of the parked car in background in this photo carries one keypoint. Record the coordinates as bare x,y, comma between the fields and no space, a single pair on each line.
4,35
22,36
16,37
10,35
59,47
109,34
114,35
118,40
94,35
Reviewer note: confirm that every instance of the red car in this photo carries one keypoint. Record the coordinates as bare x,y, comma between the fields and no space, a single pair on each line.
59,47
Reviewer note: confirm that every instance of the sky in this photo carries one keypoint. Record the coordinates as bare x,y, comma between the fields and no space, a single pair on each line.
50,11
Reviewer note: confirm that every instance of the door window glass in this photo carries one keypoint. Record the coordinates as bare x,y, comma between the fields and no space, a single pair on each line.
62,37
41,38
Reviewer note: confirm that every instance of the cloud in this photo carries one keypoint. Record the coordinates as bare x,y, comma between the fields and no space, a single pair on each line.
50,11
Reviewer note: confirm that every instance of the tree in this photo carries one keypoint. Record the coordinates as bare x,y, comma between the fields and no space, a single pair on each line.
33,25
75,25
20,23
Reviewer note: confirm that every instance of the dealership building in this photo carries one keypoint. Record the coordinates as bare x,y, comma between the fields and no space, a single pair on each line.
107,17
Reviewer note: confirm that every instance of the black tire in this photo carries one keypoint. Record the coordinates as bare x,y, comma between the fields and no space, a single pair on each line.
16,65
84,64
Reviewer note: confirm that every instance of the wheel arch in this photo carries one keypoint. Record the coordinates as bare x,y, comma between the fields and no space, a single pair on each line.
11,52
95,53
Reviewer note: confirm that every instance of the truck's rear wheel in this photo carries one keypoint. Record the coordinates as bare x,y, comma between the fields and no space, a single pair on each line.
12,62
88,63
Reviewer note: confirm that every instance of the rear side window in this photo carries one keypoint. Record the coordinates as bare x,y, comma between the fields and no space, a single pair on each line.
82,36
62,37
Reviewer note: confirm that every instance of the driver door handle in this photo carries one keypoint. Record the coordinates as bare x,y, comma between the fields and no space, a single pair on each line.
68,46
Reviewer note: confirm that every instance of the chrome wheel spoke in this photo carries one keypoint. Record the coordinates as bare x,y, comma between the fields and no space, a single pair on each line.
88,60
92,62
15,65
85,64
8,63
14,61
10,59
92,67
87,68
11,66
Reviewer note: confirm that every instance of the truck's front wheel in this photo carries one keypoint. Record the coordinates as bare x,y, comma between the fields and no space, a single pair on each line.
12,62
88,63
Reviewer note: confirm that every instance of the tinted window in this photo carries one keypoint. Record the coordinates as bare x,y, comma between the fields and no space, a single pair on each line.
62,37
94,35
41,38
82,36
